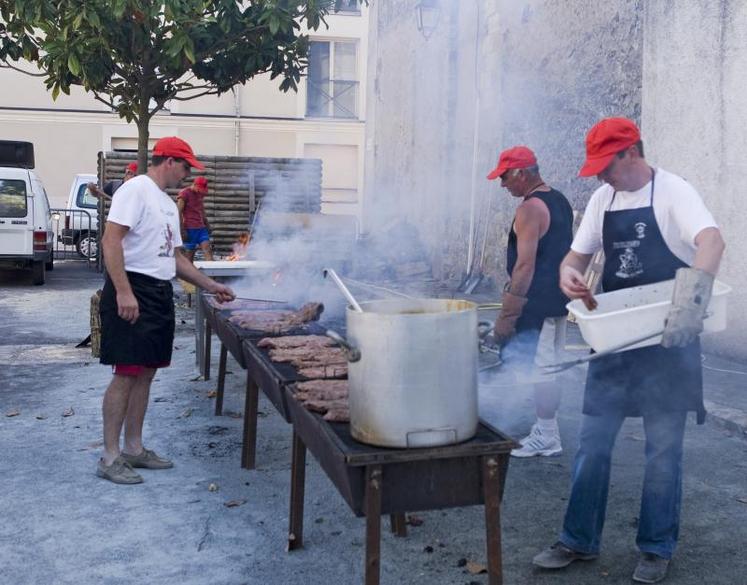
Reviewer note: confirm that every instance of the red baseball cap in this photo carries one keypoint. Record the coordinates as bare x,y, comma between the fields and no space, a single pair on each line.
132,167
605,139
177,148
201,184
518,157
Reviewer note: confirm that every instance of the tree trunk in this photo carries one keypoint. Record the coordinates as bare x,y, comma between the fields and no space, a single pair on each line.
143,133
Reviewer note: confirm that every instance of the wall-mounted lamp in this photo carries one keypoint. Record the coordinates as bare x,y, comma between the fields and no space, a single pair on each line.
427,13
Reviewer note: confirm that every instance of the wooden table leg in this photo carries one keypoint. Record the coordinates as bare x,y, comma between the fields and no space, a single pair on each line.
221,380
398,523
249,447
298,482
491,485
206,359
373,524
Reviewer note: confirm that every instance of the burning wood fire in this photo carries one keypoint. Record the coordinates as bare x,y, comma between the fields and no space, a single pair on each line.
240,248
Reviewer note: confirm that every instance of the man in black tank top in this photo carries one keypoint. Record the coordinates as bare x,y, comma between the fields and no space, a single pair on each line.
533,304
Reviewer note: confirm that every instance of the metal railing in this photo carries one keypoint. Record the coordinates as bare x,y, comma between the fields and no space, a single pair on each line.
75,235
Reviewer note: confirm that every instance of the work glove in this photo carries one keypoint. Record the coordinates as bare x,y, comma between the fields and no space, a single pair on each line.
692,293
505,324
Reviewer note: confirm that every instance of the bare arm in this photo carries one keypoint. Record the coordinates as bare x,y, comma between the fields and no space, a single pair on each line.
528,228
127,306
186,270
710,247
94,189
180,206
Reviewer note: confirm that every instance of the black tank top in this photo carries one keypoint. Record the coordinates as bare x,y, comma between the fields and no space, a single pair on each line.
545,299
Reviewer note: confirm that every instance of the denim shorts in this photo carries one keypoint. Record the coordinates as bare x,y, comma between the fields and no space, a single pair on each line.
195,237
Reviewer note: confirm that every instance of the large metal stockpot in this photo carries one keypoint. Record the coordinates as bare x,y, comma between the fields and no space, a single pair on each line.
415,384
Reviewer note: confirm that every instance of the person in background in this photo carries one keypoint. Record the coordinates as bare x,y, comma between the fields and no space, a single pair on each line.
653,226
111,187
142,253
194,225
531,324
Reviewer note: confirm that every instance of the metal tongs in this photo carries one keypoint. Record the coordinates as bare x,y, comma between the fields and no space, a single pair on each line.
487,344
562,366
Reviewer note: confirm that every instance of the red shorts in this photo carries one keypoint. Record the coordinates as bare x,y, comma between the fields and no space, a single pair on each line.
121,370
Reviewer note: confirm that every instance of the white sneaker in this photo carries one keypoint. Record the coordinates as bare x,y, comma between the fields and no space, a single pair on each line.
539,443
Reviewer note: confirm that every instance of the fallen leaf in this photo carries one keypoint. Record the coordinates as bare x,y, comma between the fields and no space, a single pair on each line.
461,562
41,417
742,500
68,412
428,549
213,487
186,413
414,520
212,393
14,412
476,568
234,503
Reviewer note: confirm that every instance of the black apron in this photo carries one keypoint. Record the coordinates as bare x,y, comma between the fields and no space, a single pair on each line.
650,379
149,342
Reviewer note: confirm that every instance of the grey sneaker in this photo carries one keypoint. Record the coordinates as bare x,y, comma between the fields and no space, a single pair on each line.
148,460
118,472
651,568
559,556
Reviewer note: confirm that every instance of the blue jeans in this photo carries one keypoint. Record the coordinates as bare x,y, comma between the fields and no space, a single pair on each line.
659,520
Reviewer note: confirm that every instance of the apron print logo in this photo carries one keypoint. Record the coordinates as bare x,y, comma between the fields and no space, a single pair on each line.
640,230
167,249
630,265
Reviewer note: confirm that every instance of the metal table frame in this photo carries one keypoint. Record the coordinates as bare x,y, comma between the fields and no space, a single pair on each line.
375,481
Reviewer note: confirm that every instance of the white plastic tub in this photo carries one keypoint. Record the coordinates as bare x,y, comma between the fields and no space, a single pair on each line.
631,313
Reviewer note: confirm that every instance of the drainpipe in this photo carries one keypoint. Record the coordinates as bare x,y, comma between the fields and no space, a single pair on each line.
236,89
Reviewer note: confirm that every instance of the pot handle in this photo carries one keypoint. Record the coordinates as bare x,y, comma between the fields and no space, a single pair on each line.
352,354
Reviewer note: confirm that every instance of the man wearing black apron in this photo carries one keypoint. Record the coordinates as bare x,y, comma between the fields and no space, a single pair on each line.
141,247
532,318
652,226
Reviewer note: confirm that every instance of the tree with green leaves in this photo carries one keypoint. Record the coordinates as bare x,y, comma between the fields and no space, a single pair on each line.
137,55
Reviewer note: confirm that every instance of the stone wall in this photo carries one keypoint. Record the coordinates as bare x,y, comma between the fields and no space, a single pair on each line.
694,118
493,74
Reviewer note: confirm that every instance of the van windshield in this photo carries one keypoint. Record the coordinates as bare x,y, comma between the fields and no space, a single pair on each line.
86,199
13,198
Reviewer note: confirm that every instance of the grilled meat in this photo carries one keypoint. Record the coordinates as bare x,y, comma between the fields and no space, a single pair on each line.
293,341
337,414
277,322
317,354
333,371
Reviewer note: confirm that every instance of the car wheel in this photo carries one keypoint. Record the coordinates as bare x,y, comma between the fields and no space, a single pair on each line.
88,245
38,272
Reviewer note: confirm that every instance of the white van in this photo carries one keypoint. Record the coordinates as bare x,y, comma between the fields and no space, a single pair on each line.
26,236
81,217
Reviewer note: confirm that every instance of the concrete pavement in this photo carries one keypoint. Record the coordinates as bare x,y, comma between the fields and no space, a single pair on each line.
63,525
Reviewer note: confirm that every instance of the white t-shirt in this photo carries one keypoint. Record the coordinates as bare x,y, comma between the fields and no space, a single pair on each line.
678,208
154,234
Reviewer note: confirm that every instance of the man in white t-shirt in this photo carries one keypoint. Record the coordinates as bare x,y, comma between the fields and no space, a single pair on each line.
652,226
142,253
